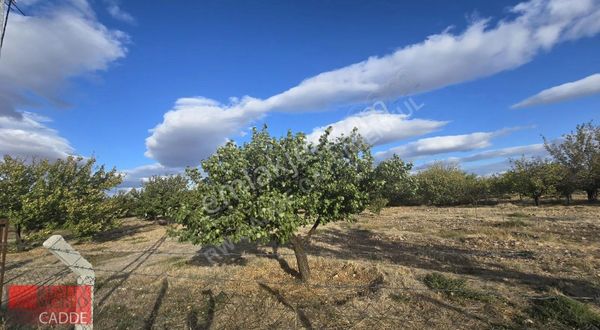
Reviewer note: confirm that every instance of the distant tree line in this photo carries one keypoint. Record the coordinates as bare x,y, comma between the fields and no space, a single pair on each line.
573,165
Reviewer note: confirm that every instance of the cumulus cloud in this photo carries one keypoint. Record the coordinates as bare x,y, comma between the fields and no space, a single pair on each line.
28,137
193,129
133,178
481,50
589,85
379,128
443,144
114,9
43,51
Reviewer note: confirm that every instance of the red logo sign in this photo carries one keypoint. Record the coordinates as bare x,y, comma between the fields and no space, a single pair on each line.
52,304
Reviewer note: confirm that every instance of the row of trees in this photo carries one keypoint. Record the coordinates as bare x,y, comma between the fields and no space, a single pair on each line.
574,165
66,194
160,197
270,188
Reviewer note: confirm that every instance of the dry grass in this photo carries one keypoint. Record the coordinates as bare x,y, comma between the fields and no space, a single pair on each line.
387,271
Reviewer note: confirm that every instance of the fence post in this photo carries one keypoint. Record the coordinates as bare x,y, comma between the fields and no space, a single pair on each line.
57,245
3,247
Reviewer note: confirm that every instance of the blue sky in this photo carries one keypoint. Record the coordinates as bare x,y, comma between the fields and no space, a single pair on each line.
154,86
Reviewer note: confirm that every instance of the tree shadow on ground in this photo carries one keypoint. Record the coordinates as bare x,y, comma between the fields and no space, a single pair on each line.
123,231
149,323
122,275
234,254
281,299
353,244
225,254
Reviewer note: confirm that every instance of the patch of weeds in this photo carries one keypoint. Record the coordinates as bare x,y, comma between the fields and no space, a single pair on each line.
117,316
518,215
400,297
377,204
512,223
454,287
565,311
451,234
180,262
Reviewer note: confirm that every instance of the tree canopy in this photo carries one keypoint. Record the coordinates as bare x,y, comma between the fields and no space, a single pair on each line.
579,153
269,188
68,193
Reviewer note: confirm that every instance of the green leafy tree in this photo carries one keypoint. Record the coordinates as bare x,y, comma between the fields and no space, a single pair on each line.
398,186
127,203
270,188
535,177
445,184
476,188
502,185
579,153
68,193
161,196
566,183
16,181
72,193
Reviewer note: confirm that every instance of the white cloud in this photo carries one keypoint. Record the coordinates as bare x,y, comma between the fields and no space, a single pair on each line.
526,150
441,60
530,150
133,178
589,85
194,128
443,144
28,137
379,128
114,9
43,51
490,168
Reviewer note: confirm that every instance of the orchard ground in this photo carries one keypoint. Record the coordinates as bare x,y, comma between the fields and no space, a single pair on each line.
503,266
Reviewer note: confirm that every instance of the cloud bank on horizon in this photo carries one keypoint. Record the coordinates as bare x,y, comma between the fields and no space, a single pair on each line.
444,59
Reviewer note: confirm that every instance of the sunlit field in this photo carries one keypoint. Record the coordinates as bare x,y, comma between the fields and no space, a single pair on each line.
503,266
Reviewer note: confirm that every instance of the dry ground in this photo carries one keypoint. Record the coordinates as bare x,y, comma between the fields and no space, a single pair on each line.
369,274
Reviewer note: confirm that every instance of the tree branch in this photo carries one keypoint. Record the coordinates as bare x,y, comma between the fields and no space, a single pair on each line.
313,229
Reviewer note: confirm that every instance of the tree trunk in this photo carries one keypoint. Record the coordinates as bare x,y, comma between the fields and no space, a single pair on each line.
18,238
592,195
301,258
569,198
536,199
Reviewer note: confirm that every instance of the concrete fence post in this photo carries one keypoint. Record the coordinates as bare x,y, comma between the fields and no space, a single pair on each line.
57,245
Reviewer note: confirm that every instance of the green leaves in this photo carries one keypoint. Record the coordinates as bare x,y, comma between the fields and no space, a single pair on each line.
392,181
579,155
442,184
268,188
69,193
535,177
161,196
